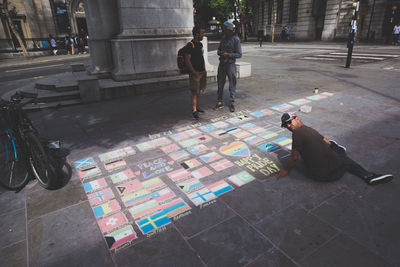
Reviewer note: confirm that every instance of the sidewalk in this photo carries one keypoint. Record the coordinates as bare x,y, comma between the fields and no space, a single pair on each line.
263,221
22,61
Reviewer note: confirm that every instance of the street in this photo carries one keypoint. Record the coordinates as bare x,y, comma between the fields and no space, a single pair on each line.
260,220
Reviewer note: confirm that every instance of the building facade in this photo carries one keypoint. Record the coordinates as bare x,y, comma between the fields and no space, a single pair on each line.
326,20
35,20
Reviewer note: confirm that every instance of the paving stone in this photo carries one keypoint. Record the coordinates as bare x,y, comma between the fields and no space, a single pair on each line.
343,251
272,258
255,201
41,201
13,228
296,232
14,255
203,217
166,248
79,243
231,243
11,201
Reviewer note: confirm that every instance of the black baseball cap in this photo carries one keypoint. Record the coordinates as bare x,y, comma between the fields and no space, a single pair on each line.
285,118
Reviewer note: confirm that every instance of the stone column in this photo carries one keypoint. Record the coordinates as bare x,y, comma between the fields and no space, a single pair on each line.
151,34
103,25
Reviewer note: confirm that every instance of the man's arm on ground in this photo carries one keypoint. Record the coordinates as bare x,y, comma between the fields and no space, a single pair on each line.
290,164
189,63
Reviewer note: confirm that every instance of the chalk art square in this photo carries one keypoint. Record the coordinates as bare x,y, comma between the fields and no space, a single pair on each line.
220,124
144,209
190,185
94,185
106,208
201,196
170,148
247,126
221,165
268,147
257,130
219,188
201,173
100,196
262,113
326,94
153,222
283,141
316,97
253,140
239,119
210,157
208,127
120,237
241,178
237,149
163,141
192,132
268,135
282,153
122,176
153,184
241,134
203,138
179,136
219,134
89,173
179,175
282,107
136,197
146,146
188,142
199,149
163,195
276,129
118,164
300,101
117,154
179,155
84,164
111,222
190,164
175,207
129,187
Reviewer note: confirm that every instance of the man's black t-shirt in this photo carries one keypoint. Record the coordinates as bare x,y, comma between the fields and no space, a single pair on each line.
319,158
196,53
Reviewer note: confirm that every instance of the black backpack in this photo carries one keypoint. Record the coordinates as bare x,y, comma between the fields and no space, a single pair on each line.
181,59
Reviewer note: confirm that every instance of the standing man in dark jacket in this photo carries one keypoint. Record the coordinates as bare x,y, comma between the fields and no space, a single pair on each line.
229,50
324,159
194,60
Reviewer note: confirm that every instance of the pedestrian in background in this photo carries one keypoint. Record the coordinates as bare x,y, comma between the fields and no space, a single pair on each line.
396,33
288,30
67,44
194,60
53,44
228,51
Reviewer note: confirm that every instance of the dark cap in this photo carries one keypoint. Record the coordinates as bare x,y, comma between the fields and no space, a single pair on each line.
285,118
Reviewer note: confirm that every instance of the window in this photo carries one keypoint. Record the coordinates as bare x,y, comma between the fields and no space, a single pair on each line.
270,11
293,10
279,12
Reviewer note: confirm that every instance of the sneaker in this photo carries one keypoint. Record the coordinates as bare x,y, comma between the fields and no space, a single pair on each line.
333,142
231,108
200,110
219,105
378,178
196,114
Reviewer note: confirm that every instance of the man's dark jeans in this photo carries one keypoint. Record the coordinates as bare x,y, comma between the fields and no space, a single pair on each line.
349,165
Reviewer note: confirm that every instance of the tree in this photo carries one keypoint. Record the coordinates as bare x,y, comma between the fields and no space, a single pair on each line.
8,15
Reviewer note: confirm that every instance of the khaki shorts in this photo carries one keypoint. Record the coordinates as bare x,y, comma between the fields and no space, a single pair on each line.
198,81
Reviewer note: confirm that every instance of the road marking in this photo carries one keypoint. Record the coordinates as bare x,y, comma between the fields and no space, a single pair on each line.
32,68
372,55
38,77
354,57
316,58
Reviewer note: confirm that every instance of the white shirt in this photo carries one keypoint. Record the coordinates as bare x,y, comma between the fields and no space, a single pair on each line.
396,29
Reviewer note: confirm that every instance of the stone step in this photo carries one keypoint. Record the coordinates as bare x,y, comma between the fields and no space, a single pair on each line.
49,96
58,88
57,104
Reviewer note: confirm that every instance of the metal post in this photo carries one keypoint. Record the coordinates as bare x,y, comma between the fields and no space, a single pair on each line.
352,34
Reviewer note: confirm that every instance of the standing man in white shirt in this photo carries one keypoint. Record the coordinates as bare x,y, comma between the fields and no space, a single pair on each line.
396,33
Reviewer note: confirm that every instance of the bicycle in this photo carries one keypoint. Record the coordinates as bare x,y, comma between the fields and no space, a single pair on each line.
22,155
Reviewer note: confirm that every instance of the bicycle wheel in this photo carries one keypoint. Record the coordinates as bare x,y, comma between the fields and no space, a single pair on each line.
13,171
39,163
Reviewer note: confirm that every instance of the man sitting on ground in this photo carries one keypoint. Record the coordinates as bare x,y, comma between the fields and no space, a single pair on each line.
325,160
